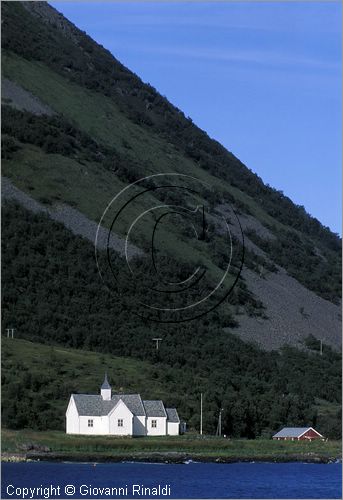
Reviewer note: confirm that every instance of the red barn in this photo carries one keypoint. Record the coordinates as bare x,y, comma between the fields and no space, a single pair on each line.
298,434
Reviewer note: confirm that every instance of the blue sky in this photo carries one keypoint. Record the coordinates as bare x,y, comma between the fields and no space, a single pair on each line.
263,78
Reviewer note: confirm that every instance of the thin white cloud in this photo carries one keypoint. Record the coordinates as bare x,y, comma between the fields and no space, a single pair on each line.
247,56
227,19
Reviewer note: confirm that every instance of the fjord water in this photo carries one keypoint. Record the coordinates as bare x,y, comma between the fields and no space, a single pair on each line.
191,480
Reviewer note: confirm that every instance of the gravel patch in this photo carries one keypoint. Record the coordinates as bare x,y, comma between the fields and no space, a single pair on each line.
73,219
19,98
293,312
248,222
225,212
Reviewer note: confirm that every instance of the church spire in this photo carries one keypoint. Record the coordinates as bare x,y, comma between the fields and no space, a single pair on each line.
106,390
105,384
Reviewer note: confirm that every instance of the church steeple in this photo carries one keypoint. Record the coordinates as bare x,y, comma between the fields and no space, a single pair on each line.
106,390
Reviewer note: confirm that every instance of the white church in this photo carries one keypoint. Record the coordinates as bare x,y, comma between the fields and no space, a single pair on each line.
119,415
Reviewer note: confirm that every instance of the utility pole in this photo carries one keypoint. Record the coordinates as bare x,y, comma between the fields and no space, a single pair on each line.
201,414
157,340
10,333
321,347
219,428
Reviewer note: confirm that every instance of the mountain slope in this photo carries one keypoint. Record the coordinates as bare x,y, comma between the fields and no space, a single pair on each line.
99,127
77,128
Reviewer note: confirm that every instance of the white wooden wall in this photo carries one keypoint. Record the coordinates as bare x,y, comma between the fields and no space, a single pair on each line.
173,428
121,411
160,429
108,424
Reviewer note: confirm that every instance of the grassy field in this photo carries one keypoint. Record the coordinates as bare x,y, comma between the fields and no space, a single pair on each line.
207,446
71,370
85,368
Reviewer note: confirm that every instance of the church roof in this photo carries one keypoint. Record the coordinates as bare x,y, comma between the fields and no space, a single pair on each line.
89,404
154,408
92,405
172,415
132,401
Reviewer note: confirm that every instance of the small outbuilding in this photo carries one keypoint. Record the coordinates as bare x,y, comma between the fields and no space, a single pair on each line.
297,434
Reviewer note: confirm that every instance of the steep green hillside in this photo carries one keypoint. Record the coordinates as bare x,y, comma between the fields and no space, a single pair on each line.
145,134
95,128
54,295
71,53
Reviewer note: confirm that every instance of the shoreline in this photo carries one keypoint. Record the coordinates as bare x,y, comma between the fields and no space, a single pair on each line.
160,457
57,446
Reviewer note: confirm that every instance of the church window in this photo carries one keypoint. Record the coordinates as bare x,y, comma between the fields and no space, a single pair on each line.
154,423
120,422
90,423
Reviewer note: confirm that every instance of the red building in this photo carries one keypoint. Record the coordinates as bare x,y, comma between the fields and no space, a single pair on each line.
298,434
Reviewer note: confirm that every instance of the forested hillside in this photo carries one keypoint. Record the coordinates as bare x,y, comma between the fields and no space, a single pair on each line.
52,296
77,128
